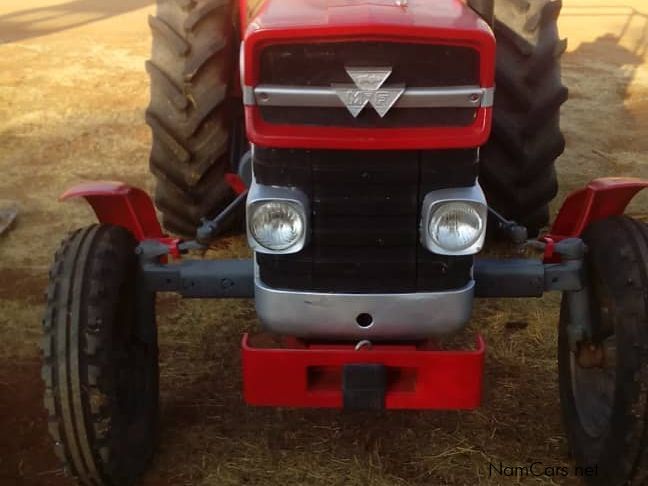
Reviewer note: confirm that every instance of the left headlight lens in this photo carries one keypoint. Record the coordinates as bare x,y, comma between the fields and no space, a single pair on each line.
277,225
456,227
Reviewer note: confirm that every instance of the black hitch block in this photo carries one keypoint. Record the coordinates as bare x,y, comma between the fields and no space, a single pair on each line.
364,386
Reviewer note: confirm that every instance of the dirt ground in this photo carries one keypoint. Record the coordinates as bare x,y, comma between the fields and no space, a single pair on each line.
72,95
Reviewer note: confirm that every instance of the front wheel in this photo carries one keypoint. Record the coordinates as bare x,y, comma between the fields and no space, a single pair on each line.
604,379
100,362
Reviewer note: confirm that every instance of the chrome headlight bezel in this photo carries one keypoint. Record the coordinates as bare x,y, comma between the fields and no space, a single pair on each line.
435,200
259,196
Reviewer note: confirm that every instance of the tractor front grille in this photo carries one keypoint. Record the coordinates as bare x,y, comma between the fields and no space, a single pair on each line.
398,118
414,65
324,64
364,222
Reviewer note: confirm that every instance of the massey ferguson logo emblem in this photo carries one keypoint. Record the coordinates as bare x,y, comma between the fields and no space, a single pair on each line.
368,89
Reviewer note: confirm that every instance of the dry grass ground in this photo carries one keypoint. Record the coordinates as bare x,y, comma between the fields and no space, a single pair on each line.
72,94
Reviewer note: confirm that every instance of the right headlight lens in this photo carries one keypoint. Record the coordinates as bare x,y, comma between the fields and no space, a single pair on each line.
455,226
277,225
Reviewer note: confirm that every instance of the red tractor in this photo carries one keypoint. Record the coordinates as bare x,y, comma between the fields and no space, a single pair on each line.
367,145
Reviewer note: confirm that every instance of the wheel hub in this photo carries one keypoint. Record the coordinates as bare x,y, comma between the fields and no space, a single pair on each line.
596,355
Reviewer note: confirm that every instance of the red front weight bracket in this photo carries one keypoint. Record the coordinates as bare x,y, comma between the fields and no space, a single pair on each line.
300,374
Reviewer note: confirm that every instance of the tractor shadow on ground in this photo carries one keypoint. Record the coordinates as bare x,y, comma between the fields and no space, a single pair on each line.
36,22
214,417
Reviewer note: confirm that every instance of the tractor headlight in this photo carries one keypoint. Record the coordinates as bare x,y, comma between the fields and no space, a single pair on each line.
277,225
454,221
455,226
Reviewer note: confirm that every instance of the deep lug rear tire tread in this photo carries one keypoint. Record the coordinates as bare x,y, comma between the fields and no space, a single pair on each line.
190,70
517,164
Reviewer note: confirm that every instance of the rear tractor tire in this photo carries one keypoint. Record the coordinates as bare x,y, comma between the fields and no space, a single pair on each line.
517,164
190,114
100,363
604,379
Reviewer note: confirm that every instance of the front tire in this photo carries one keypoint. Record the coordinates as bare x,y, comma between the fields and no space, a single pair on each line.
100,364
604,380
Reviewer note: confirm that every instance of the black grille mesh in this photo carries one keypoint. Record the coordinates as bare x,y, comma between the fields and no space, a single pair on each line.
365,213
369,118
413,65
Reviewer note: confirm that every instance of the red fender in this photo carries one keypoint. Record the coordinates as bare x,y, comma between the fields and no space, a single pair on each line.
601,198
120,204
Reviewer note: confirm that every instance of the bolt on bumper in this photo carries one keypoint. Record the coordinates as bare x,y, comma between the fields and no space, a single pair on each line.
295,373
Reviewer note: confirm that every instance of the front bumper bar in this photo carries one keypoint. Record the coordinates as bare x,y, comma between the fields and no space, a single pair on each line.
299,374
389,316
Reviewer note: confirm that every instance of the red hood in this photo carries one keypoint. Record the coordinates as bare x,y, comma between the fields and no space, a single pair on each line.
434,21
309,14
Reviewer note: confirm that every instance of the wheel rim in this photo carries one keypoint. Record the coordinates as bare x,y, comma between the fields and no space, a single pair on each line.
593,388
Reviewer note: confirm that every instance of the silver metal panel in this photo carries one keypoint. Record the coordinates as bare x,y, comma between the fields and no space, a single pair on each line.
395,316
270,95
249,98
488,99
258,194
473,195
368,89
321,97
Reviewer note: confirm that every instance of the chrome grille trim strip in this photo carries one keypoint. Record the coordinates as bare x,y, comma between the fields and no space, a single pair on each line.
323,97
248,96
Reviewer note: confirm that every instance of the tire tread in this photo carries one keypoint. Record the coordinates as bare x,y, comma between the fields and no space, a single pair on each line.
88,271
517,164
190,69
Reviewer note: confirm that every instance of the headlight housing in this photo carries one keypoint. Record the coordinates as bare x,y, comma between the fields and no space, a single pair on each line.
277,219
454,221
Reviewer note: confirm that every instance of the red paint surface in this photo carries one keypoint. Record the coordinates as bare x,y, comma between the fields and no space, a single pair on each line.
301,136
448,22
120,204
600,199
310,375
243,15
236,183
